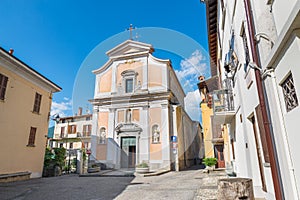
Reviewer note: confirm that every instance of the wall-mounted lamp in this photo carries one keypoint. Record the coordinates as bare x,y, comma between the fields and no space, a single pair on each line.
258,36
55,117
263,72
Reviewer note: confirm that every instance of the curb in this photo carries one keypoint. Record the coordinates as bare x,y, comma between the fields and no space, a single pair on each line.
155,173
106,174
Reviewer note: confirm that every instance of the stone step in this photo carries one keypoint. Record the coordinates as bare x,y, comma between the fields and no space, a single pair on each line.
18,176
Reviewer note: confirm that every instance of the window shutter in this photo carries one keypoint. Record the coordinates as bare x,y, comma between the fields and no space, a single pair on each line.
3,84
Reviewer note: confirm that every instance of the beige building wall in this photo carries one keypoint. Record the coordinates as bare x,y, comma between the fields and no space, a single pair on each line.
102,148
121,116
16,120
189,140
155,76
207,130
103,120
136,115
227,144
105,82
155,119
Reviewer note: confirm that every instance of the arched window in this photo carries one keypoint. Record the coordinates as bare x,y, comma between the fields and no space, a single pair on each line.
102,135
155,134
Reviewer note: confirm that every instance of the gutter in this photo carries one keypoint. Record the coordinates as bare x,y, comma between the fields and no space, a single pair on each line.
261,95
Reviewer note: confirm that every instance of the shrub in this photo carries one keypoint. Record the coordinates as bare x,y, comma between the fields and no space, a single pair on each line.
209,161
142,165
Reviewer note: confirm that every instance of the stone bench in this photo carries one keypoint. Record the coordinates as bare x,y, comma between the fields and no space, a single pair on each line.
18,176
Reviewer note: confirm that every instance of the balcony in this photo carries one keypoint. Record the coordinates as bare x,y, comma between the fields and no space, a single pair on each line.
223,106
84,134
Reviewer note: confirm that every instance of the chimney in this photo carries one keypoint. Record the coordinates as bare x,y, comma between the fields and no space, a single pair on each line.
79,111
201,78
11,51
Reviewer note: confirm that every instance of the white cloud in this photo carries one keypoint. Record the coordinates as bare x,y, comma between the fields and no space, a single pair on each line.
61,108
192,104
191,68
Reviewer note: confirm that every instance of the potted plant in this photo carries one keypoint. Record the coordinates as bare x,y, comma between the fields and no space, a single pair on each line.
94,168
210,163
142,168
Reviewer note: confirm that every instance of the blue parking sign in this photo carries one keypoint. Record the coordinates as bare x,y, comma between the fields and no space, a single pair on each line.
173,138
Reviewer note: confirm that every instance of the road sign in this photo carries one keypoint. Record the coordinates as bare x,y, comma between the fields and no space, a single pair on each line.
173,138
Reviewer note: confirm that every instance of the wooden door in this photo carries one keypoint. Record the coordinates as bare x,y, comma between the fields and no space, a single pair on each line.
131,157
220,156
259,156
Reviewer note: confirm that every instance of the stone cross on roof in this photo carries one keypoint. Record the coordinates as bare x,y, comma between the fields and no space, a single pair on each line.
130,30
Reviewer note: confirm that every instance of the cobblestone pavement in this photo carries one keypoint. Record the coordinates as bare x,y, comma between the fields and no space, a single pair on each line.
209,185
190,184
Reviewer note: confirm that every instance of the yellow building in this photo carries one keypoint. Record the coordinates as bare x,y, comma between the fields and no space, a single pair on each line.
25,101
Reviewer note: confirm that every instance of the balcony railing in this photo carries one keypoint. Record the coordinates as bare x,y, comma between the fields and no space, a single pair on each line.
223,100
73,135
223,106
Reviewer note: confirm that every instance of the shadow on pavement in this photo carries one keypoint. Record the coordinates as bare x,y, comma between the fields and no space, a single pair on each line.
65,187
195,167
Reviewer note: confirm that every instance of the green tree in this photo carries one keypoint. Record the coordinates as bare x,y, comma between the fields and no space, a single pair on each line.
60,156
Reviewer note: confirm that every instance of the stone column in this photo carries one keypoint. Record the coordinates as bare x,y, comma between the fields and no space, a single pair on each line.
94,136
111,144
144,150
165,135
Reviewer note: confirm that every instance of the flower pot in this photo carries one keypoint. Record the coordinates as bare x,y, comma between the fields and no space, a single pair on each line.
93,169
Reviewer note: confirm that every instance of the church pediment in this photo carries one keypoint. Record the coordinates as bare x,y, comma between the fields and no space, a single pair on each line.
128,127
129,47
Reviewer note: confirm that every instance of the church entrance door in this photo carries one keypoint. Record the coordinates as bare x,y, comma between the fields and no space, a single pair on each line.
128,152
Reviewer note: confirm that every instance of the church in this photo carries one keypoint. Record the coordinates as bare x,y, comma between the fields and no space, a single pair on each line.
138,113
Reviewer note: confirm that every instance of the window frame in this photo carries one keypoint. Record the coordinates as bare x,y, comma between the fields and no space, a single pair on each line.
62,131
128,75
289,95
247,53
37,103
32,137
3,86
86,130
72,129
126,85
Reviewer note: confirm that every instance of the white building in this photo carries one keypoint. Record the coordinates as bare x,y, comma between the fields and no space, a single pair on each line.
74,134
138,107
258,41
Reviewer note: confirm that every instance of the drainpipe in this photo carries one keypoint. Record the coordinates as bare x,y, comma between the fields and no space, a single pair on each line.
261,94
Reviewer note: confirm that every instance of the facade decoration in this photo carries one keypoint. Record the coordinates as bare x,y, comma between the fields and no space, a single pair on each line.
138,99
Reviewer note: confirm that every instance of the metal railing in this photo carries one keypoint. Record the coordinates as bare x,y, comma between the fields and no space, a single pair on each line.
222,100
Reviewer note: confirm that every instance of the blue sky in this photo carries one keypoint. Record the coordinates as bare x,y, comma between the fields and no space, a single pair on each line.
55,37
